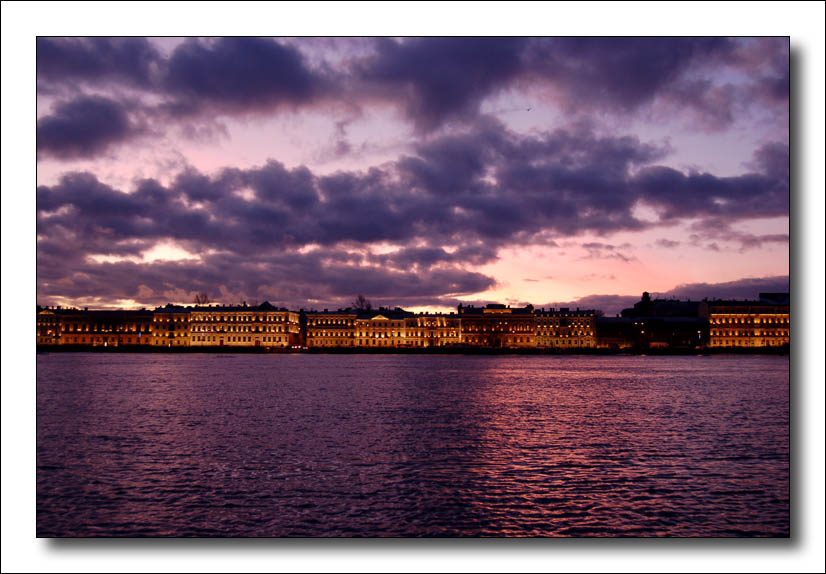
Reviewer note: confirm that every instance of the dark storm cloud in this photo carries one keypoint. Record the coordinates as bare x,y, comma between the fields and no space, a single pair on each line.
66,62
439,79
505,190
623,72
238,75
678,195
426,257
84,127
284,278
433,81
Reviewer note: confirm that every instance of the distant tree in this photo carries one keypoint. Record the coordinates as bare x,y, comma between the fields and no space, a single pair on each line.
201,299
362,304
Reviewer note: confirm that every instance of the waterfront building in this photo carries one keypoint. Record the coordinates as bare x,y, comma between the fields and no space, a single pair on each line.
243,326
762,323
433,330
62,326
566,329
378,328
498,326
331,328
649,324
170,326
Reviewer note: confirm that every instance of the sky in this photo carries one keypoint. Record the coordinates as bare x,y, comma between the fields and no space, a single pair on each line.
421,172
803,21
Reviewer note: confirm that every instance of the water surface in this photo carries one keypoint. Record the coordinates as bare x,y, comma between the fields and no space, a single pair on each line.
411,445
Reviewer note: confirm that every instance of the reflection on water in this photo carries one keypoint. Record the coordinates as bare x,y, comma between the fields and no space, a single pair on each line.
383,445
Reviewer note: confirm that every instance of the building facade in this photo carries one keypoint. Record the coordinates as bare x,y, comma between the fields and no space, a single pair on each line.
59,326
331,328
433,330
650,324
244,326
498,326
749,324
566,329
170,326
382,328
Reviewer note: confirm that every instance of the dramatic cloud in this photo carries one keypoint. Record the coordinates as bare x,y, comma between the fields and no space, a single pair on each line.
439,79
679,195
63,63
433,81
238,75
501,191
84,127
285,205
627,71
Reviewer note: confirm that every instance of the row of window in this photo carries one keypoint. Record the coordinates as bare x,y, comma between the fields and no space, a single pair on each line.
237,329
104,328
715,333
749,320
238,319
546,333
747,343
236,339
112,340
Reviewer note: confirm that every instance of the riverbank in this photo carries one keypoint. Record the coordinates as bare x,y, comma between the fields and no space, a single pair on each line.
454,350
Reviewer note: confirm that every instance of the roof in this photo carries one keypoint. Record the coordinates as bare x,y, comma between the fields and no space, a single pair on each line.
392,314
494,309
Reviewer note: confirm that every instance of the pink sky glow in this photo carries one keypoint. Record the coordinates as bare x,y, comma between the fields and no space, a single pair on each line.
420,172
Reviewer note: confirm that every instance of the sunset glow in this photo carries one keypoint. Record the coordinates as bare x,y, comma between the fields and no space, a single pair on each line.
421,172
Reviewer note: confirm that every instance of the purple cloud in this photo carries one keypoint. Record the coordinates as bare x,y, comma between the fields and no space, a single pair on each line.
131,62
84,127
238,75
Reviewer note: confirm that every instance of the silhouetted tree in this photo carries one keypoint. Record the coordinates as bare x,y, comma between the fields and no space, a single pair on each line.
201,298
362,304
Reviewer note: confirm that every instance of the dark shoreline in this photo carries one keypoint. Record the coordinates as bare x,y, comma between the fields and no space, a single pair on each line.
784,350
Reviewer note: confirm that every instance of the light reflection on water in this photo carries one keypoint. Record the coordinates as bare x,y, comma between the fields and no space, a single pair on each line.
405,445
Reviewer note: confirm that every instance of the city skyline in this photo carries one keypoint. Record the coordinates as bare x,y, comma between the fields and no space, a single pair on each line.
421,172
708,115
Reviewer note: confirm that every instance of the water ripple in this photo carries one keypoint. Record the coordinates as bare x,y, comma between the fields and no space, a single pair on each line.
260,445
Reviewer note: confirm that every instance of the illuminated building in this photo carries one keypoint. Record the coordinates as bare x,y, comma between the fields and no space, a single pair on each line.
243,326
170,326
382,328
331,328
566,329
763,323
433,330
649,324
498,326
60,326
